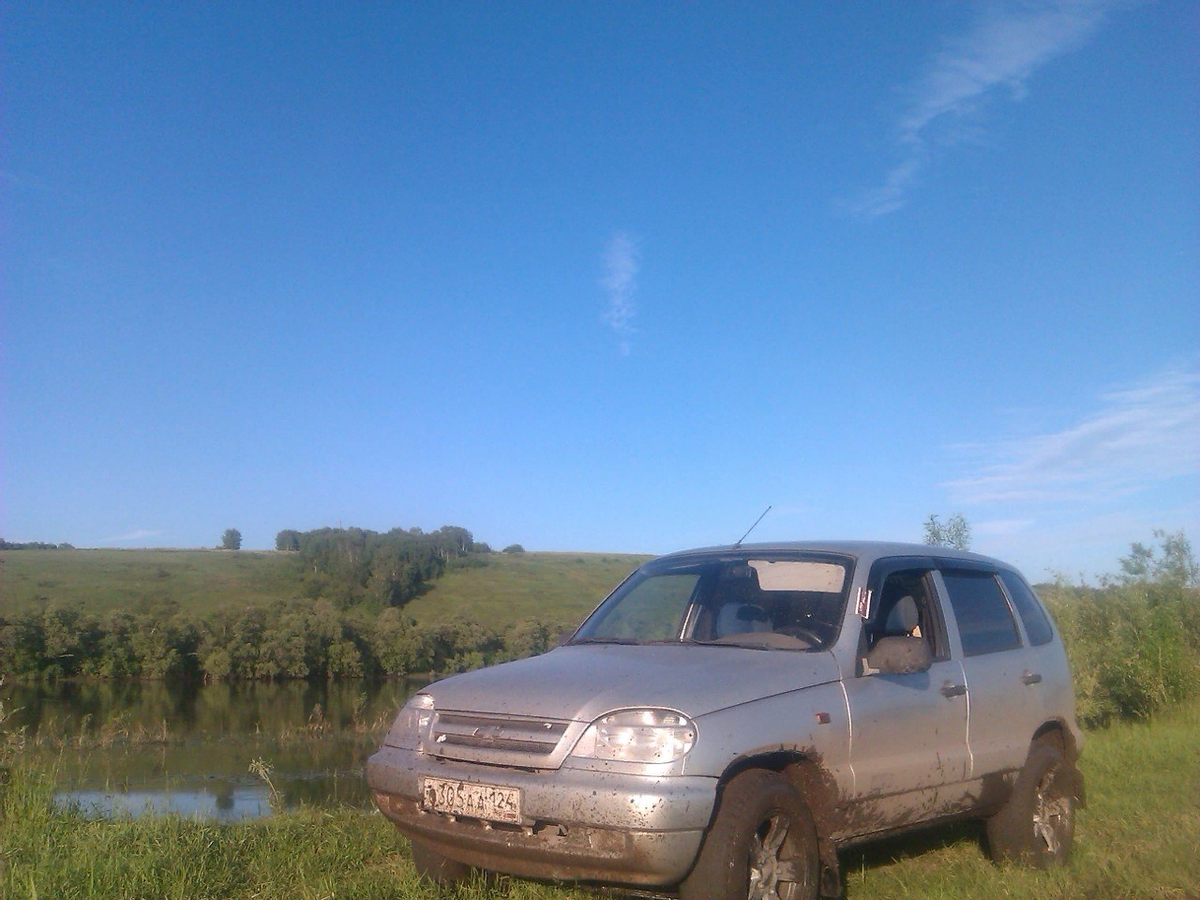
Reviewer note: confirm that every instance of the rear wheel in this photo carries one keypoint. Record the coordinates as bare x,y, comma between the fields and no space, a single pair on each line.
762,845
437,868
1037,824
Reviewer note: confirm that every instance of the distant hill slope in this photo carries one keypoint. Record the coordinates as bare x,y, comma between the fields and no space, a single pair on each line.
553,587
199,581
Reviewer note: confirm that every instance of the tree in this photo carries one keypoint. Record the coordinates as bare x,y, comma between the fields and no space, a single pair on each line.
287,540
1175,565
452,541
513,548
955,533
231,539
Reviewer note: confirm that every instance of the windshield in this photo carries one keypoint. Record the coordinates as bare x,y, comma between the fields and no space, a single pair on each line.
770,602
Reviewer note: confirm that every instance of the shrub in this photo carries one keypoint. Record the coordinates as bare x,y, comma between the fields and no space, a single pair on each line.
1132,643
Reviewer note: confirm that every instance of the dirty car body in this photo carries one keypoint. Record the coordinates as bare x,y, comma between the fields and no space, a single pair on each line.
836,691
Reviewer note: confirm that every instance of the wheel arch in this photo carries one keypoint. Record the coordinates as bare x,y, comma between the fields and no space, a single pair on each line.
1059,736
816,787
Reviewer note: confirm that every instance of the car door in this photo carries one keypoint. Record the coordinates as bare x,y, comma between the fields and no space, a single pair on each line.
1002,712
908,732
1045,674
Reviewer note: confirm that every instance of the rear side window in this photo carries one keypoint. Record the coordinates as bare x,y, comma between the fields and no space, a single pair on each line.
1037,626
985,622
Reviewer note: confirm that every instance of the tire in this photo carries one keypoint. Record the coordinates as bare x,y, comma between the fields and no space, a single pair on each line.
437,868
1036,826
761,846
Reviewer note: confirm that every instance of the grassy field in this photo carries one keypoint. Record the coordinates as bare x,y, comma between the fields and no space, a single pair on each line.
512,587
559,587
1137,839
198,581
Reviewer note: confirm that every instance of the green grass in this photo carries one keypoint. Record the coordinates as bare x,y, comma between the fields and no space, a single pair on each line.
552,587
1137,839
97,581
556,587
45,853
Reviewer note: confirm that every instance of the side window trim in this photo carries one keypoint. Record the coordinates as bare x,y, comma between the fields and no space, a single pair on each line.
1020,615
884,567
953,637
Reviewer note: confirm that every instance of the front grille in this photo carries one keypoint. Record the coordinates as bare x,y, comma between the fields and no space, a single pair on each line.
534,737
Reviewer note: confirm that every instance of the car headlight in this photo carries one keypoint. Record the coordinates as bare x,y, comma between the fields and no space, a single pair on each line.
412,724
638,735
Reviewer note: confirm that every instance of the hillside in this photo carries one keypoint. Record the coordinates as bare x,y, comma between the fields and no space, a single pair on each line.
553,587
558,587
198,581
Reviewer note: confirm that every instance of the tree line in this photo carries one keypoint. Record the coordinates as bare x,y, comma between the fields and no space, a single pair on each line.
346,624
294,639
1132,640
32,545
356,565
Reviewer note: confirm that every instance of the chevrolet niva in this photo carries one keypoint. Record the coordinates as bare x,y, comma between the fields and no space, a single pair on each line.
729,718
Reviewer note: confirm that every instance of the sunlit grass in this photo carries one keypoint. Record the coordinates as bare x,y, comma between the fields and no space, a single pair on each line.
98,581
1138,838
48,853
551,587
510,587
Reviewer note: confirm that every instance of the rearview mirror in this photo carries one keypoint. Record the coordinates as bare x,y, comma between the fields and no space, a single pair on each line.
898,655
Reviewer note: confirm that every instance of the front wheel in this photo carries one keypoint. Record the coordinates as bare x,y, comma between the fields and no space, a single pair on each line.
1037,824
762,846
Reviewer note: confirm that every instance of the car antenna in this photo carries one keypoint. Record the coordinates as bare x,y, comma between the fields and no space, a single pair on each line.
752,527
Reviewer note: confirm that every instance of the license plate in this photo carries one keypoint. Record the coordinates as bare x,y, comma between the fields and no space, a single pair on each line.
478,801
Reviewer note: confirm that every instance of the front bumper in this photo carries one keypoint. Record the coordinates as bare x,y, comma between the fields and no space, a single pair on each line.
576,824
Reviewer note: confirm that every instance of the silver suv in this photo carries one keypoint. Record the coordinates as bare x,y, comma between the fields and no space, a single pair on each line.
729,718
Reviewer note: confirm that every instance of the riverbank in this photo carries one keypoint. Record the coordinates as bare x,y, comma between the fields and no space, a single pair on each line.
46,851
188,747
1137,839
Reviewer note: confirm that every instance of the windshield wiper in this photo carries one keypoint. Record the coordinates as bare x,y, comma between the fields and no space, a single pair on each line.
596,640
746,643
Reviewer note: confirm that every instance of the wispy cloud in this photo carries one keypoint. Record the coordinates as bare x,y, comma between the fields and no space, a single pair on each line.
1140,437
1001,50
621,263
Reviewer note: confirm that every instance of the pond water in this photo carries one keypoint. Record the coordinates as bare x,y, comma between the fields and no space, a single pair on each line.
222,751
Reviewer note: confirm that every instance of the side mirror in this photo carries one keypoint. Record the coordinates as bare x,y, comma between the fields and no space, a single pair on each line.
898,655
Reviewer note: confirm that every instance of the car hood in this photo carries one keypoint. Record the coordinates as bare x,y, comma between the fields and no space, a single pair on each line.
583,682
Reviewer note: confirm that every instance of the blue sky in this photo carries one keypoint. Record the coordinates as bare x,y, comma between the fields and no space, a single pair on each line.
605,276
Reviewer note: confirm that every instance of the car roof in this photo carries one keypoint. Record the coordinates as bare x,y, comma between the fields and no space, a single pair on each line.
862,551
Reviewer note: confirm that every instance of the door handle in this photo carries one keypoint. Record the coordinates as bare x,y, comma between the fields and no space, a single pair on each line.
1031,677
950,689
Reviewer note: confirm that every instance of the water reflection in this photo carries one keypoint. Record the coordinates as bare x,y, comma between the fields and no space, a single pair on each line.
227,806
135,748
216,710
